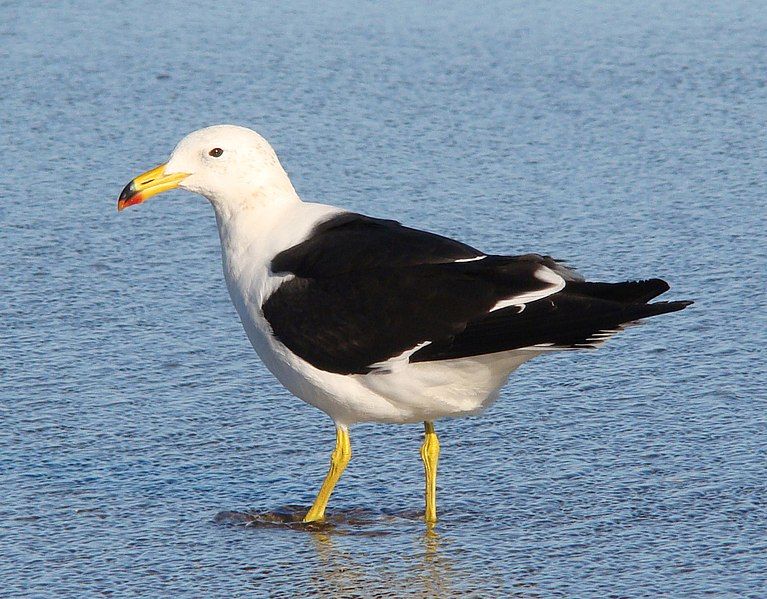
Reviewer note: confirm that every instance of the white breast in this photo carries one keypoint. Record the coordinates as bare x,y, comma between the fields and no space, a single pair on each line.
409,393
249,242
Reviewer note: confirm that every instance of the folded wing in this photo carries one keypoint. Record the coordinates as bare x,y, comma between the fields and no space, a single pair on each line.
366,291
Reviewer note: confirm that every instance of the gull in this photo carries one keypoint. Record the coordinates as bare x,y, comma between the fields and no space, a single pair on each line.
372,321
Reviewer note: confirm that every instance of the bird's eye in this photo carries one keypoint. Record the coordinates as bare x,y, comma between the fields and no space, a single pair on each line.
216,152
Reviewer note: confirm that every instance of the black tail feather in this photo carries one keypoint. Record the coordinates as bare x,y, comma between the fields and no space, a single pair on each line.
627,292
581,315
664,307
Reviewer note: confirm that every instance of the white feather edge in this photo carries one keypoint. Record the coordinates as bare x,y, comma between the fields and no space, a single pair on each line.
595,341
556,284
396,362
470,259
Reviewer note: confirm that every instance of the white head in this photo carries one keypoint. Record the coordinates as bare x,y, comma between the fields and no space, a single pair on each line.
231,166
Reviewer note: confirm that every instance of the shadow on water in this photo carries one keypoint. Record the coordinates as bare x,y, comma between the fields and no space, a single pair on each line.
342,569
357,521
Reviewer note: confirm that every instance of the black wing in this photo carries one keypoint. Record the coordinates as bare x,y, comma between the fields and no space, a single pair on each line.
353,242
583,315
366,290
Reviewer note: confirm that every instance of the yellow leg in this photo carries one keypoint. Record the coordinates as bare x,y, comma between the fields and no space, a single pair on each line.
430,456
338,461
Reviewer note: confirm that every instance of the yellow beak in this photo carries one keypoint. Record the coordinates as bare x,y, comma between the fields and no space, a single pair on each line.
147,185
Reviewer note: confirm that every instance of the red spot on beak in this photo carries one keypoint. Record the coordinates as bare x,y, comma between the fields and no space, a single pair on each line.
123,203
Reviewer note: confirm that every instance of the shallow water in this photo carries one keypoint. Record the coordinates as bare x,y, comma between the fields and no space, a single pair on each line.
144,450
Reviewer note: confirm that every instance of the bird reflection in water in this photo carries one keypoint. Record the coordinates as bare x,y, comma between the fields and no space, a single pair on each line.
343,572
425,571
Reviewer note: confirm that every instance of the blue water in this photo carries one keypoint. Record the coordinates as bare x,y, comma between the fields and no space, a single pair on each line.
136,424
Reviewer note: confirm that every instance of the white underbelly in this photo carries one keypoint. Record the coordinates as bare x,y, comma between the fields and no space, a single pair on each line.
447,388
414,393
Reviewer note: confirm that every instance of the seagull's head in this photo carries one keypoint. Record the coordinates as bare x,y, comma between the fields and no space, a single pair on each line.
231,166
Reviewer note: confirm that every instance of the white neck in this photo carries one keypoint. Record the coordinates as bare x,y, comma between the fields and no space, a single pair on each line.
236,200
244,228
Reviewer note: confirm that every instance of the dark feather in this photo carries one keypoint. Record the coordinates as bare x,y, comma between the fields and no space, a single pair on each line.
563,320
350,241
366,290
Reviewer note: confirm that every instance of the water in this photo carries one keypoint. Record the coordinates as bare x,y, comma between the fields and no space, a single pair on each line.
628,140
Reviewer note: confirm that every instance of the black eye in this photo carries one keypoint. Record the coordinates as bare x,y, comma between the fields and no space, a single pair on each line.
216,152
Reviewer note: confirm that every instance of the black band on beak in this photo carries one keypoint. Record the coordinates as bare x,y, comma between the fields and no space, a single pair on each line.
128,191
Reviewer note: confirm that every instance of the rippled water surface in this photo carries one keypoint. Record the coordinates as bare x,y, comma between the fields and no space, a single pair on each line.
145,451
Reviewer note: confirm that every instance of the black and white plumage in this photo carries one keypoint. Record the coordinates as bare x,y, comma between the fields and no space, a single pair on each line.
371,321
